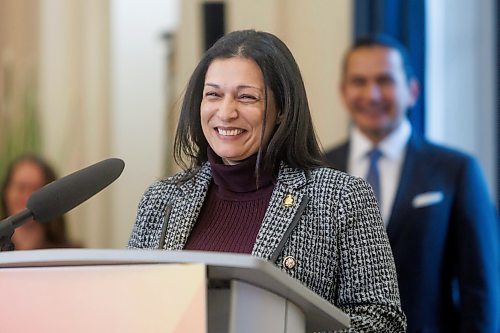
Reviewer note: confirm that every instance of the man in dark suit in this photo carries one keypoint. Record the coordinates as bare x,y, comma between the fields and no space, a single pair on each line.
441,222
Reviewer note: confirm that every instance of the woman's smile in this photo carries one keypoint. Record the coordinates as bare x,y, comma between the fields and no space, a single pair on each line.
229,132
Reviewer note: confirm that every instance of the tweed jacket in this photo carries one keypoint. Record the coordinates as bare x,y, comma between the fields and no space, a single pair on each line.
333,229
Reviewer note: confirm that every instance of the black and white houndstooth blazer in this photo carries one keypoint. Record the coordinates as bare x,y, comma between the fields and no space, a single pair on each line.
332,228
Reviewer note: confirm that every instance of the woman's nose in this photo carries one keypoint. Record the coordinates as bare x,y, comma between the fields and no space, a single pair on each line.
228,109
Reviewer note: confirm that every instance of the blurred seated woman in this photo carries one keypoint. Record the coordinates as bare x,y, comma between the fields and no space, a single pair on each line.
255,182
25,175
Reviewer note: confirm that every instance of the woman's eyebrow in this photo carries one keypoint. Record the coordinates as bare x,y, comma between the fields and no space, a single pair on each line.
241,86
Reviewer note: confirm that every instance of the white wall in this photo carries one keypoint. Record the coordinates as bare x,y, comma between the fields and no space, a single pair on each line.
461,79
138,102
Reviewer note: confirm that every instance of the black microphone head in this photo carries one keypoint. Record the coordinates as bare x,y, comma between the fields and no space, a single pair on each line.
64,194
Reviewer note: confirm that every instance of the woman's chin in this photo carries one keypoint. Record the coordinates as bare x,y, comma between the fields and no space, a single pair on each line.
231,157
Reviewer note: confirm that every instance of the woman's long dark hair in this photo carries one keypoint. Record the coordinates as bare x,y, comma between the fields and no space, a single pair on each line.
293,141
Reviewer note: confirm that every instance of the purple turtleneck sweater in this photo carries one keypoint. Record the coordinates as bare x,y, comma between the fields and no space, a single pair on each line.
233,209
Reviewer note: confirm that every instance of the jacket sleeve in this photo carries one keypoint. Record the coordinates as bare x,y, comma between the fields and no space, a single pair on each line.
147,228
474,226
367,287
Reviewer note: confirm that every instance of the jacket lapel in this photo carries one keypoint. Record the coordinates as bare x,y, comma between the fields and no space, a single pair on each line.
404,191
283,208
278,218
186,208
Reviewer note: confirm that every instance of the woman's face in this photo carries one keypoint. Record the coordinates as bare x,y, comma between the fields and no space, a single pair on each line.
26,178
232,109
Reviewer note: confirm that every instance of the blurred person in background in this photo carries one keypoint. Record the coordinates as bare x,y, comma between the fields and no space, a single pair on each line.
24,175
434,201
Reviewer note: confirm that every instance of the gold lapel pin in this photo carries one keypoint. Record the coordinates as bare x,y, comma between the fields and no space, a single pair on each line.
288,201
289,262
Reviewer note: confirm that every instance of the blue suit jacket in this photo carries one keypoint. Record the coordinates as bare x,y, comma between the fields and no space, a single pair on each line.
444,237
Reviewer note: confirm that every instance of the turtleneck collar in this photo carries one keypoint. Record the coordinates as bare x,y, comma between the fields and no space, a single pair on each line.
238,178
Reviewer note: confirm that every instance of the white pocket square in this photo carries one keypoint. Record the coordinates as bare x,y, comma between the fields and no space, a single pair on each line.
427,199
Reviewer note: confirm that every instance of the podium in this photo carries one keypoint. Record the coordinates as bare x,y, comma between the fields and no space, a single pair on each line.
83,290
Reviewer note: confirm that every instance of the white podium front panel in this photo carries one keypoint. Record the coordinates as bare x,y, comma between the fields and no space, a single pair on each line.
320,315
169,298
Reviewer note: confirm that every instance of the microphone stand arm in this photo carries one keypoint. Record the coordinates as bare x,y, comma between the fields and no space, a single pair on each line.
8,226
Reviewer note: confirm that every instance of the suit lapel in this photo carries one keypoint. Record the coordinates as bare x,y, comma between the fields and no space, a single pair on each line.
186,208
279,216
404,191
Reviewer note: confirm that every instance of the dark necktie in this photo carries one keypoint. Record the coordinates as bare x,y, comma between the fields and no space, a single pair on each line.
373,177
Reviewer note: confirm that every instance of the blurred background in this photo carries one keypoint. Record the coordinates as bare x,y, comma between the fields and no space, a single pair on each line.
84,80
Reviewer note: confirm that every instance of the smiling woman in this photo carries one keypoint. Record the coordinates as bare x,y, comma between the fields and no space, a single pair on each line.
233,107
255,182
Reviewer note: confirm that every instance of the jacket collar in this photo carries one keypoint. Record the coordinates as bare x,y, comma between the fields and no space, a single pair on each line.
201,178
286,205
292,178
278,219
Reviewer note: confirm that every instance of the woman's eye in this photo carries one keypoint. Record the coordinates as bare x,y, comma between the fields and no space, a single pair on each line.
248,97
211,94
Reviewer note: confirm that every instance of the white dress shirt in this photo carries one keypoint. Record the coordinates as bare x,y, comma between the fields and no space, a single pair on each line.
393,149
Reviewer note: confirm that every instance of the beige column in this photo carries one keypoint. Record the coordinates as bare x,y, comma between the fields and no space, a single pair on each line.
18,79
74,100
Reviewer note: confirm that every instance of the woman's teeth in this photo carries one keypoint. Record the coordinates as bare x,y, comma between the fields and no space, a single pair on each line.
232,132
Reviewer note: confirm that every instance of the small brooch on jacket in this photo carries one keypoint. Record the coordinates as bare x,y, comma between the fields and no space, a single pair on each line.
289,262
288,201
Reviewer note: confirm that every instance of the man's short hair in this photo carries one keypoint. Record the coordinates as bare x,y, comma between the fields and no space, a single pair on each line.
381,40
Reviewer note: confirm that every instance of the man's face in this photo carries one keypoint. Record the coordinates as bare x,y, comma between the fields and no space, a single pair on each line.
376,91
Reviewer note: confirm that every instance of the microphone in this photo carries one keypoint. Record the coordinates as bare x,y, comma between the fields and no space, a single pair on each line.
64,194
